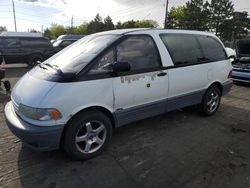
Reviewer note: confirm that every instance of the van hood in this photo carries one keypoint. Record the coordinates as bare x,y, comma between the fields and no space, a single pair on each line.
243,48
30,91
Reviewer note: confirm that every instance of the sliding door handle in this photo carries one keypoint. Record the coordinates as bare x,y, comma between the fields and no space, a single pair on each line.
162,74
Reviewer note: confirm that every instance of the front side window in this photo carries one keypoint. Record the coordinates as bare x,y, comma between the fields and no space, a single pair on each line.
140,52
183,48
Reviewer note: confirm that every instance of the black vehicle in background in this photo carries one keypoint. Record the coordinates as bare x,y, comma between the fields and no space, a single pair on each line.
241,66
65,40
21,47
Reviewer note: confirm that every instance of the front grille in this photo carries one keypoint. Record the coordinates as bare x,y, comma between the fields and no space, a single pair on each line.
241,70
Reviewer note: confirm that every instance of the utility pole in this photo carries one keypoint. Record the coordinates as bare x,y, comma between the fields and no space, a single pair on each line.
166,16
14,14
72,20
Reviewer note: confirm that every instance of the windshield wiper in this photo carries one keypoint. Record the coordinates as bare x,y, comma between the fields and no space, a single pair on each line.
56,68
40,65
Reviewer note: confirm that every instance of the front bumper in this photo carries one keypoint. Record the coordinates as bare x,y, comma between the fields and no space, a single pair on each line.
36,137
241,76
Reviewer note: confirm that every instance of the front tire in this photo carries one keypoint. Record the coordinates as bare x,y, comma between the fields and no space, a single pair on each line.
211,101
87,135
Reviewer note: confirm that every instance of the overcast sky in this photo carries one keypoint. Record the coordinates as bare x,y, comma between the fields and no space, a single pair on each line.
33,14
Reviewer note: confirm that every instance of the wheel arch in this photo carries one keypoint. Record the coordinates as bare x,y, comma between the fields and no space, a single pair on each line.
218,85
91,108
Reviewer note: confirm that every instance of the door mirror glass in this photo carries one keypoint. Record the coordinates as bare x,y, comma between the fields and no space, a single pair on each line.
121,67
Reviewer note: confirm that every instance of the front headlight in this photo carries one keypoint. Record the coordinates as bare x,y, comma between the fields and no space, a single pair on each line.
42,114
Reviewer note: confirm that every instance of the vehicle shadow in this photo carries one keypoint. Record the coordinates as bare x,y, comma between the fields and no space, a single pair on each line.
167,148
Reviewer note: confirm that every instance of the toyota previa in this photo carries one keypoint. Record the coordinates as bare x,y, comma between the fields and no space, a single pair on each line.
77,97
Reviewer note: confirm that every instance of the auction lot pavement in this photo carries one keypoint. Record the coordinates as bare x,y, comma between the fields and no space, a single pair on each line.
176,150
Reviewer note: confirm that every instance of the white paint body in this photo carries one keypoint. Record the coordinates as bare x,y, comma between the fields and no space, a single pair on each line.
120,92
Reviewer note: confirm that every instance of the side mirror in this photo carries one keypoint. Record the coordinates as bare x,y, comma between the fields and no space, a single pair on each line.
121,67
232,57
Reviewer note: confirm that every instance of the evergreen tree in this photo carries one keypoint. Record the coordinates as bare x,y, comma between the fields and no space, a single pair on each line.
221,11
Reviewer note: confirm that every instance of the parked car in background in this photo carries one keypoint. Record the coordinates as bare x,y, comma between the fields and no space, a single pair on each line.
113,78
24,47
65,40
241,65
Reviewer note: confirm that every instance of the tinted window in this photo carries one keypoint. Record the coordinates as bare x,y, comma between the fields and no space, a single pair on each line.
1,43
139,51
212,49
12,43
35,42
183,48
104,64
66,43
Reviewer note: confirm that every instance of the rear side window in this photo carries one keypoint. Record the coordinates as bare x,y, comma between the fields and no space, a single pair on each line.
212,49
183,48
12,42
140,52
35,42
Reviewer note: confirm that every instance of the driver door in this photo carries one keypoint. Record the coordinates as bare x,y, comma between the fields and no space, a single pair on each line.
141,92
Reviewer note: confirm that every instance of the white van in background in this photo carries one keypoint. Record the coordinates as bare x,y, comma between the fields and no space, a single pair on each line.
74,99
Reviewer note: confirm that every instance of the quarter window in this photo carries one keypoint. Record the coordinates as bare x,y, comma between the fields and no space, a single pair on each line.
140,52
212,49
105,63
12,43
183,48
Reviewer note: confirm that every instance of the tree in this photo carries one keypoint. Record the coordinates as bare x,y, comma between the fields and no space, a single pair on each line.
95,25
47,33
221,11
2,29
196,15
146,24
237,27
108,24
81,29
137,24
57,30
176,18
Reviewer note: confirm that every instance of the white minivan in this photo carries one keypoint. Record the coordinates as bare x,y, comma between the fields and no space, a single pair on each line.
76,98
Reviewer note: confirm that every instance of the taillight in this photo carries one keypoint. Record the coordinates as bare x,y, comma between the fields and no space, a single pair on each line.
230,74
2,65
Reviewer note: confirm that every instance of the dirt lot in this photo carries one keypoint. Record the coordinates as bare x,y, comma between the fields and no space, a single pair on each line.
174,150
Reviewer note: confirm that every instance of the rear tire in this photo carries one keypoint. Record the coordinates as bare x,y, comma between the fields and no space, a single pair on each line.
210,102
87,135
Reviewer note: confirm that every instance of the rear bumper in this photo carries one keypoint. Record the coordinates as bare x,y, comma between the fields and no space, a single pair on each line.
227,87
36,137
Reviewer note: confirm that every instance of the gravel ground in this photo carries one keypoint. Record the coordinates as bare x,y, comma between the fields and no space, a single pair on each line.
174,150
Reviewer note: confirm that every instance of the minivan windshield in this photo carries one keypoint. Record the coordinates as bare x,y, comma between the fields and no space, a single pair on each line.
57,43
75,57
